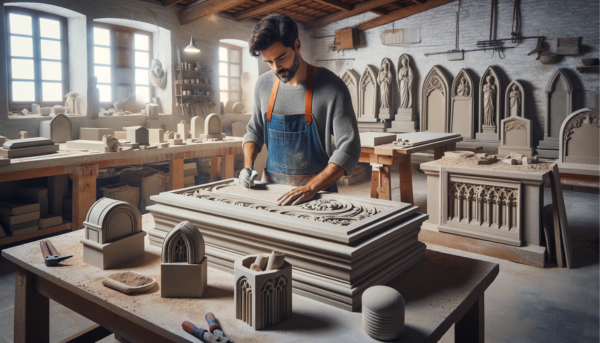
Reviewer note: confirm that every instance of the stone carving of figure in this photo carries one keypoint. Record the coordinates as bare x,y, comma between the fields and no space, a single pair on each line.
463,88
515,102
157,76
385,79
489,100
405,78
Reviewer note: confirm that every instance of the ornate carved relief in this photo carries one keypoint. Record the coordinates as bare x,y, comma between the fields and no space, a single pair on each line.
489,105
514,100
405,82
515,136
462,106
368,95
515,125
579,137
385,78
435,102
351,79
559,94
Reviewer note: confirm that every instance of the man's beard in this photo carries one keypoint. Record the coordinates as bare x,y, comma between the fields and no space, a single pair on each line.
290,73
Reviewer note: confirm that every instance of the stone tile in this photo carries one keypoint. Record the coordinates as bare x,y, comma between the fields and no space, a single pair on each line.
545,307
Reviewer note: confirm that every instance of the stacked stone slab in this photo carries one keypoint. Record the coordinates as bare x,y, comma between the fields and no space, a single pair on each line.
18,217
338,245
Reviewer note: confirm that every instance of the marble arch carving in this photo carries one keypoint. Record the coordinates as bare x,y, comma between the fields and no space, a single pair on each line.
351,79
490,91
368,95
462,108
435,101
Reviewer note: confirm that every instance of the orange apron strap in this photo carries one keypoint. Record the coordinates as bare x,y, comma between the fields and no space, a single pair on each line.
272,98
310,75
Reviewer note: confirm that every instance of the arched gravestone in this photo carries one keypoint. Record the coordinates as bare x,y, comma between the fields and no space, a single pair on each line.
559,93
580,138
212,127
462,107
351,79
58,129
405,119
368,95
385,80
490,91
435,101
515,136
514,100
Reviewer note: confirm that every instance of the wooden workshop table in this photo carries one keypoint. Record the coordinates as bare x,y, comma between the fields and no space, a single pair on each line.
82,167
382,157
439,291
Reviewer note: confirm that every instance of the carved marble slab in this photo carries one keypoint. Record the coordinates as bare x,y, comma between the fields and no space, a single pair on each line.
435,101
58,129
368,95
405,119
515,136
385,79
352,79
490,91
514,100
579,138
462,107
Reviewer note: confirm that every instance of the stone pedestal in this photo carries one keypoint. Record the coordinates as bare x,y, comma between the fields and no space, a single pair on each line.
489,134
405,121
109,255
183,280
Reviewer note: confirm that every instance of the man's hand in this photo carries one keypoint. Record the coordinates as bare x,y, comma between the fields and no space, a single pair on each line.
297,195
247,177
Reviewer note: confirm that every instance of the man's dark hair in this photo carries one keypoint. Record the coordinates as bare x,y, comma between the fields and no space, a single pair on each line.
273,28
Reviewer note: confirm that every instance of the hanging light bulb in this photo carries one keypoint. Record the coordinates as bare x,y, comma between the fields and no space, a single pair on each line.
192,47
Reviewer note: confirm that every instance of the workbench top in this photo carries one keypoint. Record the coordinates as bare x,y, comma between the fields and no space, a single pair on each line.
438,292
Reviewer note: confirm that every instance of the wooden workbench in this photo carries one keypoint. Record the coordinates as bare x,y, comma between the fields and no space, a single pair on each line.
439,291
82,167
382,157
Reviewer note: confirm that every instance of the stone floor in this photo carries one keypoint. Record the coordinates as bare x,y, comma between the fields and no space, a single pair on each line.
523,304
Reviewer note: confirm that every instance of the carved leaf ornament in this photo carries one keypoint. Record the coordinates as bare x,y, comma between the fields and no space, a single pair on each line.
576,122
435,83
515,125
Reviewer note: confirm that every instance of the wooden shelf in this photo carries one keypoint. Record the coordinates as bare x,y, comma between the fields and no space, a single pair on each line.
65,226
192,95
193,84
193,71
585,69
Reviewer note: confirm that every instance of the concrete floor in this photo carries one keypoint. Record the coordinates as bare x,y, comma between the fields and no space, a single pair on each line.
523,304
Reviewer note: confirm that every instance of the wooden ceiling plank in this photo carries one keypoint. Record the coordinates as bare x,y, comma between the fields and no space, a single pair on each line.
261,9
418,2
399,14
206,8
358,8
168,3
336,4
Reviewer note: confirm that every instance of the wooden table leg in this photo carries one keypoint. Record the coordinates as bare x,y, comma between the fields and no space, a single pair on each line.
176,170
375,181
405,173
471,327
439,152
385,190
58,188
32,310
84,193
451,147
227,167
215,168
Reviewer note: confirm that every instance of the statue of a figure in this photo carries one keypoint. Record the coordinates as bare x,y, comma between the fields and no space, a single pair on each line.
156,74
405,78
489,99
463,88
515,102
385,79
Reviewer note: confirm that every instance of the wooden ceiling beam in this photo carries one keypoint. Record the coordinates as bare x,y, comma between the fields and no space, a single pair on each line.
168,3
418,2
336,4
399,14
261,9
206,8
358,8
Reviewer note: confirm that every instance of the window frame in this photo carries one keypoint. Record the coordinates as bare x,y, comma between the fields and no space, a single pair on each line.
37,57
229,77
113,29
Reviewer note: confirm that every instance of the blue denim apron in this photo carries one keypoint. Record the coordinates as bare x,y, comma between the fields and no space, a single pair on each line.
295,152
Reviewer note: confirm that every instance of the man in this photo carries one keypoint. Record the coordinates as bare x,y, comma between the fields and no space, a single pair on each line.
297,108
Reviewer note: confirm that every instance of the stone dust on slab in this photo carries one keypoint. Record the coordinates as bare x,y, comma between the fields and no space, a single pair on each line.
471,163
131,279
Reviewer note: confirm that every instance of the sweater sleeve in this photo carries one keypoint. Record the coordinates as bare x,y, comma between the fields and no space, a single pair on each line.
345,132
255,128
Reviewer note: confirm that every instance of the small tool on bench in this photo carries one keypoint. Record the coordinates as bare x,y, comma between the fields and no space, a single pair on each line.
203,334
51,255
215,328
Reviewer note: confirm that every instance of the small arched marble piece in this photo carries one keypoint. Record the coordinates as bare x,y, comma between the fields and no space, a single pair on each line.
58,129
213,128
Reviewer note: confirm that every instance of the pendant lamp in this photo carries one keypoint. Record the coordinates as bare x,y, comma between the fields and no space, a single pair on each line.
192,47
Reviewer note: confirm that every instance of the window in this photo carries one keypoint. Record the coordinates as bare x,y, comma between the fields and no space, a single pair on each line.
121,63
230,70
37,50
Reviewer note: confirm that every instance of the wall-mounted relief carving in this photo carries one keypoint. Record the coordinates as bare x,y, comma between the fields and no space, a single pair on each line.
385,80
490,91
579,138
515,136
462,110
435,101
368,95
559,93
405,120
351,79
514,100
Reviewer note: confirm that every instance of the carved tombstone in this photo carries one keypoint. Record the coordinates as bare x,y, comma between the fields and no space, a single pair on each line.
385,80
137,135
559,92
228,106
435,102
113,233
514,100
254,292
183,269
351,79
462,108
237,108
405,120
489,106
579,138
515,136
212,127
368,94
57,129
197,126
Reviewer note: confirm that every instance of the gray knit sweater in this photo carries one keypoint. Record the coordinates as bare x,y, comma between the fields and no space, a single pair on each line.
332,112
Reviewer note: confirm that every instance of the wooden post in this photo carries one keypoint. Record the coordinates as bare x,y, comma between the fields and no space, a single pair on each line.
470,328
176,170
58,187
215,168
405,174
438,152
227,167
84,192
32,316
375,181
385,190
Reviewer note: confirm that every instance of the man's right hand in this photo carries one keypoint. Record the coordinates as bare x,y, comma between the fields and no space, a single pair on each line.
247,177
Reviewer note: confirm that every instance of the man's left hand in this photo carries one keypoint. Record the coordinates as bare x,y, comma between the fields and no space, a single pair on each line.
296,196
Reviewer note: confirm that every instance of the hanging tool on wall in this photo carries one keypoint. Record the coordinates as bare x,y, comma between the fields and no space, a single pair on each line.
51,256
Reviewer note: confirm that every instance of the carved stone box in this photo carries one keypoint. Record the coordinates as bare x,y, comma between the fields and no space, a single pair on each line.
338,245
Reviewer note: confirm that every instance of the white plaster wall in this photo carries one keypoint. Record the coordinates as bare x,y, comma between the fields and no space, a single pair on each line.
550,18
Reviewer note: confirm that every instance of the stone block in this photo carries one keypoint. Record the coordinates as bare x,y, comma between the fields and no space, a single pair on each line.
94,134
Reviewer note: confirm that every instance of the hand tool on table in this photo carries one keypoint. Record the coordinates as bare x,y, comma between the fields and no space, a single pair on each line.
215,328
51,255
203,334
